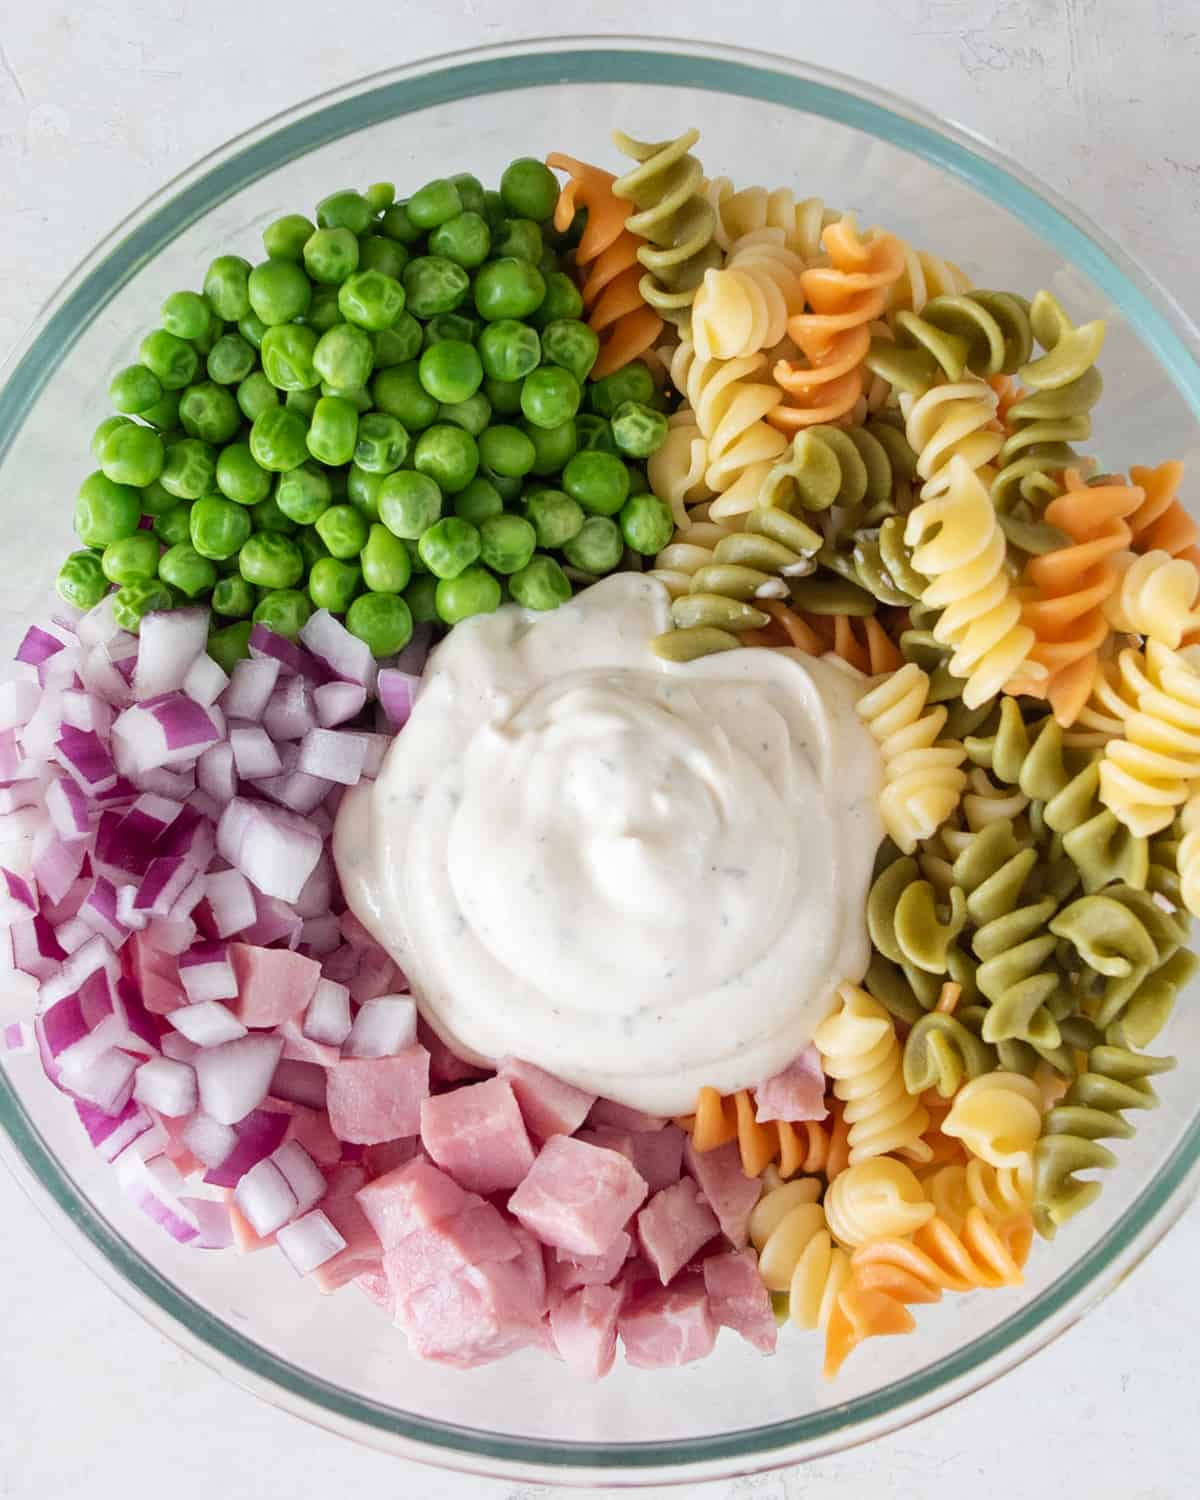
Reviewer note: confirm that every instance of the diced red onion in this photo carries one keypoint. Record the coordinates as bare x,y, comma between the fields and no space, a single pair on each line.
254,755
177,1047
100,913
142,1028
188,899
67,806
264,1198
178,785
169,936
61,672
157,1198
320,935
72,934
397,694
111,1134
12,761
208,1140
230,901
276,851
95,954
215,771
382,1027
210,1025
309,1242
37,646
206,680
235,1077
102,679
250,687
257,1136
414,656
343,653
105,1080
207,974
291,711
99,624
169,1087
16,897
334,754
377,746
164,880
127,912
213,1228
18,703
294,658
169,642
86,712
85,755
163,731
301,1173
191,836
336,702
274,922
37,948
295,790
327,1018
16,1037
20,794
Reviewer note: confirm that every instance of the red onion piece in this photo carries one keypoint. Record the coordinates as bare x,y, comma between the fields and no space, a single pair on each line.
382,1027
337,649
335,755
166,1086
18,703
254,753
336,702
257,1136
206,680
112,1134
169,642
397,694
235,1077
210,1025
264,1198
250,687
275,850
264,642
230,901
301,1174
37,646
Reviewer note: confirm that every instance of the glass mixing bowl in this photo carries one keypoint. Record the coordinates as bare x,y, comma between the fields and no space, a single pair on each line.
335,1360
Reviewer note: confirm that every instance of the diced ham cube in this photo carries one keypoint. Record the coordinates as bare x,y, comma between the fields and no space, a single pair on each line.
657,1154
375,1287
311,1128
610,1139
474,1237
730,1193
621,1117
445,1065
476,1133
363,1254
379,1160
583,1325
531,1266
273,984
567,1272
470,1319
413,1197
673,1226
299,1048
738,1298
376,1099
798,1093
155,973
670,1326
578,1197
549,1106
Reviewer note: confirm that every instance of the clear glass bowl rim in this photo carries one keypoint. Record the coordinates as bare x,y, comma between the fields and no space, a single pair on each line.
532,63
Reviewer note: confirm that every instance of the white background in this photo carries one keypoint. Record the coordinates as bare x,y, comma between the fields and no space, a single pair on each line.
100,103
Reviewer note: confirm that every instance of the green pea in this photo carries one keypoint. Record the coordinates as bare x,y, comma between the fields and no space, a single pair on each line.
449,546
171,359
285,611
279,292
256,394
553,447
134,388
312,548
507,450
186,570
414,555
450,325
346,209
377,253
271,560
371,300
303,493
548,264
185,314
450,371
638,430
519,238
472,415
189,468
506,543
399,343
323,311
164,414
174,525
303,403
209,412
474,591
278,439
343,529
508,288
421,598
81,581
330,255
362,489
252,328
409,503
599,481
239,478
529,188
541,584
229,646
508,486
398,392
235,597
433,284
230,359
285,238
131,558
505,395
268,517
332,584
646,524
155,500
638,483
132,601
448,455
493,209
380,196
132,455
596,547
398,226
382,443
104,431
464,239
633,382
434,203
562,302
204,341
226,285
478,502
287,357
572,345
333,431
383,621
550,396
344,356
218,526
509,350
386,568
555,518
594,433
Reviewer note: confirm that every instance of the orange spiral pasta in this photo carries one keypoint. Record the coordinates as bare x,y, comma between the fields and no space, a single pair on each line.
887,1275
1161,523
829,635
803,1146
843,298
1071,586
614,306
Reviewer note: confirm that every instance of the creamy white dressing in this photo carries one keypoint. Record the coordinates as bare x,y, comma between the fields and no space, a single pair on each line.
641,876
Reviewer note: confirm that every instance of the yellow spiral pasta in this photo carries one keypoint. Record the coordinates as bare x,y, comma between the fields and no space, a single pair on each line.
1188,854
676,468
1114,697
860,1052
873,1199
924,277
999,1193
1146,775
744,305
959,545
954,420
998,1117
796,1252
747,210
923,779
1156,596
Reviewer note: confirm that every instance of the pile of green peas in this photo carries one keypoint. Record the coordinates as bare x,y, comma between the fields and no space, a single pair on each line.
389,417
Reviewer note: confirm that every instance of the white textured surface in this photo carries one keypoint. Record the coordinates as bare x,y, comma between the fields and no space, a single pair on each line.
99,105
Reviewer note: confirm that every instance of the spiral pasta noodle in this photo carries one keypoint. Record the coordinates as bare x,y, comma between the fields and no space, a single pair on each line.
925,276
797,1257
1146,775
1161,523
791,1147
744,305
672,217
1188,857
744,211
941,1053
608,252
1000,1194
998,1117
875,1198
676,468
987,333
1155,596
952,420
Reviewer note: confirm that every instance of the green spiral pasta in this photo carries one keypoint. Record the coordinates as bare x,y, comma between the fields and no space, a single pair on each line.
987,333
941,1053
673,216
1092,1110
904,921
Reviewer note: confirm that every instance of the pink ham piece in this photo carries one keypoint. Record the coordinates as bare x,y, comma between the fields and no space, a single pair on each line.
583,1325
607,1112
670,1326
409,1199
578,1197
658,1155
472,1237
272,984
156,975
673,1226
363,1254
445,1065
798,1093
549,1106
377,1099
730,1193
476,1133
738,1298
567,1272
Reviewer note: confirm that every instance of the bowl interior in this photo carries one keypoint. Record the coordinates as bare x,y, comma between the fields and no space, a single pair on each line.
338,1358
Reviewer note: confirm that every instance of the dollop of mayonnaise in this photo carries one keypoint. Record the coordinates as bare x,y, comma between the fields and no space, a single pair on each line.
643,877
